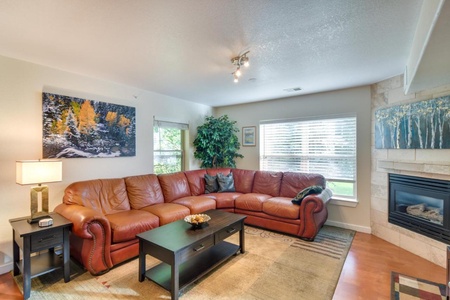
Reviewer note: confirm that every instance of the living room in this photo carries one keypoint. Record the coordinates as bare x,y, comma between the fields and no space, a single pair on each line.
24,77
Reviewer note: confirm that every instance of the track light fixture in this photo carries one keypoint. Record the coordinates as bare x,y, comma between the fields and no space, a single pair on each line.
238,61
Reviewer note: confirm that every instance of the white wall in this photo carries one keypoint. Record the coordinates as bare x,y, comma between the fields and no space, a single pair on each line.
21,87
355,100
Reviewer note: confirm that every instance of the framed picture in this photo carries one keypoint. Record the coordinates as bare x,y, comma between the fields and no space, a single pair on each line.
249,136
75,127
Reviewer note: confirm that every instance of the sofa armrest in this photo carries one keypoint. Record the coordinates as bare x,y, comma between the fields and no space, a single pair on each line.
313,214
90,237
325,195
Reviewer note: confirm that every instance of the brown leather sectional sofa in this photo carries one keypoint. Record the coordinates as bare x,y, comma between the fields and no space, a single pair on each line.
108,213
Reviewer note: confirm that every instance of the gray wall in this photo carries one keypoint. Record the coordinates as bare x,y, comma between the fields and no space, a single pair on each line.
355,100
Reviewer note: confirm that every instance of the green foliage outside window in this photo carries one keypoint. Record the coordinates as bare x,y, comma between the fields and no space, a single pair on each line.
168,153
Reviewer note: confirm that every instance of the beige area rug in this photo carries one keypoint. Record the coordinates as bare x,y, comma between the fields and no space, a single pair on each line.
274,266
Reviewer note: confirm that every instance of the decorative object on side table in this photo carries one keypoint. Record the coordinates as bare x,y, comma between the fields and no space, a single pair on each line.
38,172
197,221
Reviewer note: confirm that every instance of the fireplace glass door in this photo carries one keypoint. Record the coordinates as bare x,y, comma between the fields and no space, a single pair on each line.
421,205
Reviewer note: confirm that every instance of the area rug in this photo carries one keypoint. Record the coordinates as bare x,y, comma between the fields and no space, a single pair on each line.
274,266
409,288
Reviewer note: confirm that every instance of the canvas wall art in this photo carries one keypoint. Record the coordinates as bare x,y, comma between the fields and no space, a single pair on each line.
75,127
420,125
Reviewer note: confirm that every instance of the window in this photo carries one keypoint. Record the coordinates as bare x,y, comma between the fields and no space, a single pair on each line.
321,145
168,147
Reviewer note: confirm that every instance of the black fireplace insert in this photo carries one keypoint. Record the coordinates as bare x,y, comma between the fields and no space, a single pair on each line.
421,205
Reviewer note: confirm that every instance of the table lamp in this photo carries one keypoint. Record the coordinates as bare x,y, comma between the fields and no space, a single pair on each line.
38,172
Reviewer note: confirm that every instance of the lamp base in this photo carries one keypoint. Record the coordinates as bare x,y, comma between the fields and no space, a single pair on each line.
35,214
37,217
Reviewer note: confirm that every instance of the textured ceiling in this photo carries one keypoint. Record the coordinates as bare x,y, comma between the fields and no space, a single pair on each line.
183,48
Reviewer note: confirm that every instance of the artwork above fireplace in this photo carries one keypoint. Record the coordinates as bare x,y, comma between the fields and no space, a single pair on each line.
421,205
419,125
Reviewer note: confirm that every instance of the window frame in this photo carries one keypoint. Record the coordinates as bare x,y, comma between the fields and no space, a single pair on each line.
339,199
183,128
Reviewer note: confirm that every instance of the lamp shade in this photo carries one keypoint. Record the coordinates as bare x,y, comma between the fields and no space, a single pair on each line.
38,171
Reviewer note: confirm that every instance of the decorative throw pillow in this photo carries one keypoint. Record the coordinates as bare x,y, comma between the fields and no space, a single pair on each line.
226,183
315,189
211,185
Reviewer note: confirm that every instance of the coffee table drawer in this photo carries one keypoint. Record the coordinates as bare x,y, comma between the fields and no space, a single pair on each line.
229,230
196,248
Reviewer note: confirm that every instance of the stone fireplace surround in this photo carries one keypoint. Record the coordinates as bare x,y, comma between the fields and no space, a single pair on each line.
427,163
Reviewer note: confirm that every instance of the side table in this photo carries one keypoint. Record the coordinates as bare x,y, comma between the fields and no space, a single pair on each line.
30,238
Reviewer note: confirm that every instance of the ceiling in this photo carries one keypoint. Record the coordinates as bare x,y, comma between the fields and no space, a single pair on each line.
184,48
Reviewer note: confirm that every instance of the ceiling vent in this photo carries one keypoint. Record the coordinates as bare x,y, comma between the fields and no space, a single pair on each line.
296,89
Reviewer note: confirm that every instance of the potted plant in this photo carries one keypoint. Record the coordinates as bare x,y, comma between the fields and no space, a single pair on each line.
216,144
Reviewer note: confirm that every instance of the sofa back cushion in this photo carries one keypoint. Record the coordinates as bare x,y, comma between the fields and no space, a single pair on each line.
196,180
143,190
294,182
106,195
267,182
174,186
224,171
243,180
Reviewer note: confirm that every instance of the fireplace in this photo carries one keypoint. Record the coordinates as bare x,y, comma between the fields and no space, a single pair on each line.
421,205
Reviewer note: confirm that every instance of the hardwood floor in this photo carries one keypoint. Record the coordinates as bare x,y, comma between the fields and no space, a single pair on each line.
366,273
367,269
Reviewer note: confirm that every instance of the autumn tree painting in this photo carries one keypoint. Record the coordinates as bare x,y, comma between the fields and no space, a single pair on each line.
420,125
75,127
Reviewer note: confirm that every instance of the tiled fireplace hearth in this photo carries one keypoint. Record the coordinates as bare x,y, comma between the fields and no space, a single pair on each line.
389,222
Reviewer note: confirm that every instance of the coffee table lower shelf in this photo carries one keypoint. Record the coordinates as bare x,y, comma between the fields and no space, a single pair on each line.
194,268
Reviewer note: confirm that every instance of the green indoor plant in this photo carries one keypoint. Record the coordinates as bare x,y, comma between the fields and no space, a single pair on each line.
216,143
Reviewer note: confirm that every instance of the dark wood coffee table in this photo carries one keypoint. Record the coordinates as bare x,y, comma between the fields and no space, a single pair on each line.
188,254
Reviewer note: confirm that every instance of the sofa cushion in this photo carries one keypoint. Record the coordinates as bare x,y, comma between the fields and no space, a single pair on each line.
174,186
168,212
106,195
125,225
197,204
143,190
251,201
225,200
226,183
243,180
266,182
294,182
281,207
211,184
196,180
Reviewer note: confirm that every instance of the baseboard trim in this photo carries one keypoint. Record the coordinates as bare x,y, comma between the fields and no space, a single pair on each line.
6,267
358,228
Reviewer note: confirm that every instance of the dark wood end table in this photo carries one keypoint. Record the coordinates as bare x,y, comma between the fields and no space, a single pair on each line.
31,239
188,254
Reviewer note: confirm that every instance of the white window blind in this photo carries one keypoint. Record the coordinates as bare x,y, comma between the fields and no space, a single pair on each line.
326,146
167,124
